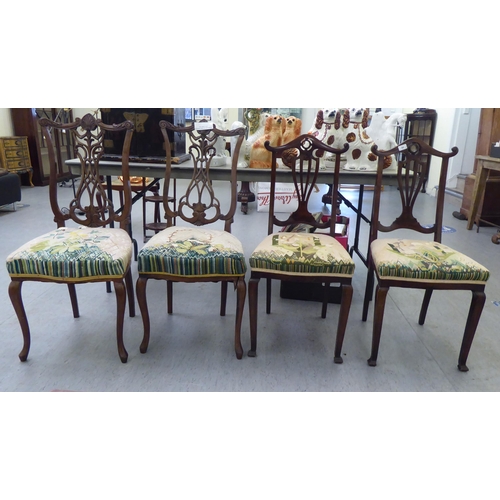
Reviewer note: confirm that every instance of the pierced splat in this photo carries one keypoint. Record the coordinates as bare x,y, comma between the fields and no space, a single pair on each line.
412,174
200,197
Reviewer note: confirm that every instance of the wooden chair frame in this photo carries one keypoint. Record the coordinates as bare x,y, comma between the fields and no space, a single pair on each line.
302,155
412,174
90,207
193,207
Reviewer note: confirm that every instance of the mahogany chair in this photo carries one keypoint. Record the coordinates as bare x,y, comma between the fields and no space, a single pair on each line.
190,251
89,252
418,263
305,257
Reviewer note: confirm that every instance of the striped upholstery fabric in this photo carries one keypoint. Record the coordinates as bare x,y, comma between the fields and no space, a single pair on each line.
302,253
192,251
73,254
424,261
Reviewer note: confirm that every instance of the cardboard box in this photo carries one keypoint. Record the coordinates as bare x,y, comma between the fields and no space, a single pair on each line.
285,199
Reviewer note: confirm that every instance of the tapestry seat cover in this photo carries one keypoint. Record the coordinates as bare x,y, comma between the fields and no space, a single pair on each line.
73,254
302,254
419,260
192,251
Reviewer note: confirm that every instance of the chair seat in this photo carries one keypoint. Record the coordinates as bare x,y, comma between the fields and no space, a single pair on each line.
192,251
73,254
425,261
304,254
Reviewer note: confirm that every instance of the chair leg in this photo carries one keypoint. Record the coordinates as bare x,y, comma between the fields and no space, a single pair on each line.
121,302
476,308
378,318
345,307
140,291
241,293
425,306
269,283
326,289
74,300
130,293
170,292
253,295
368,291
17,302
223,297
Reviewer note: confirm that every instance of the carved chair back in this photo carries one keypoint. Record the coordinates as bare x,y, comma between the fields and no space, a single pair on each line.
412,172
303,156
91,205
199,205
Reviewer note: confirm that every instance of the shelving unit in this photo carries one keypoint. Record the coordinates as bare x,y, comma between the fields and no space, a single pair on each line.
420,124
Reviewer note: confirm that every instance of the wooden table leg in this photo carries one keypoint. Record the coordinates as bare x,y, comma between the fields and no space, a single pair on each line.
477,193
245,196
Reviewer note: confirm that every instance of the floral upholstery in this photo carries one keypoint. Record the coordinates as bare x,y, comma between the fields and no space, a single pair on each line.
73,254
424,261
302,253
192,251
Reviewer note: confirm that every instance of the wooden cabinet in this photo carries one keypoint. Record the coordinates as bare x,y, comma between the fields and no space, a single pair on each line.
489,208
15,156
25,123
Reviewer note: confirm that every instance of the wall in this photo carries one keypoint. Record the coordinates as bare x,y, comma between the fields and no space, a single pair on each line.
442,140
5,123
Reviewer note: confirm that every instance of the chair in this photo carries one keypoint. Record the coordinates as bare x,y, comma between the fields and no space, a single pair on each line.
189,251
418,263
88,253
305,257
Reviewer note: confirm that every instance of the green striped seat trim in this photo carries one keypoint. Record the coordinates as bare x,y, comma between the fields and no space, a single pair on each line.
424,261
178,251
302,253
73,254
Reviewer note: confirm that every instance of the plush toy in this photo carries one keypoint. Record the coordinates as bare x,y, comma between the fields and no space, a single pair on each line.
292,129
359,155
219,118
383,131
260,157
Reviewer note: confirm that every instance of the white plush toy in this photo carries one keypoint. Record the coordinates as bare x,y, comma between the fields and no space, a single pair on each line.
383,131
246,146
359,155
242,163
219,117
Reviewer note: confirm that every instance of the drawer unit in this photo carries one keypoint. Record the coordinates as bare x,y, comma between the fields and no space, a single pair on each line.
15,156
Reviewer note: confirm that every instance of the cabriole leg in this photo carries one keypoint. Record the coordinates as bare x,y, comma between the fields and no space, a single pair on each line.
143,306
17,302
241,293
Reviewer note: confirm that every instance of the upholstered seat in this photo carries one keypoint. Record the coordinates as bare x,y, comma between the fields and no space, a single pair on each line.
73,254
304,254
192,251
425,261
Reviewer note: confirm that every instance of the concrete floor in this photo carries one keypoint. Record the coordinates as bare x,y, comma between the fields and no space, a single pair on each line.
192,350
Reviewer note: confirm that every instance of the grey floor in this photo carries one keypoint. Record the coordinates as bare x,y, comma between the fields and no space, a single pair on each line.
192,350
